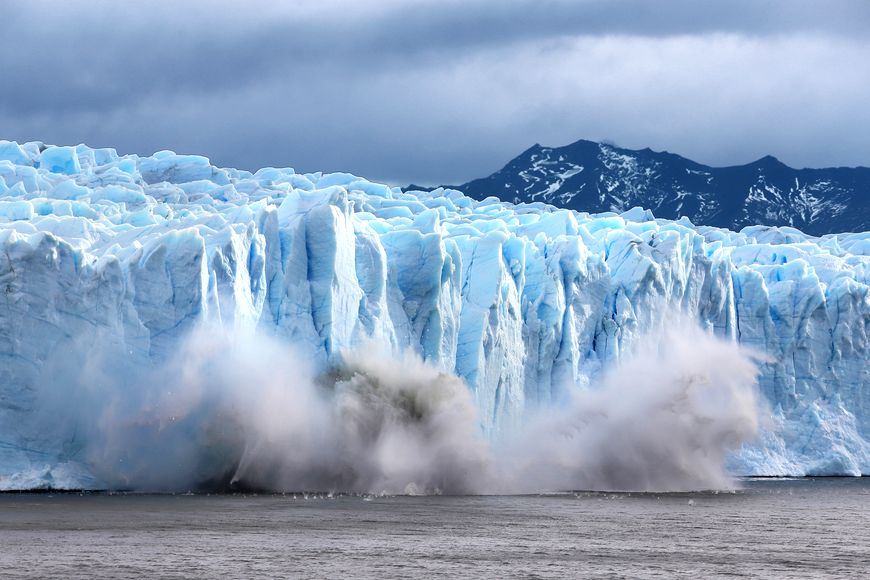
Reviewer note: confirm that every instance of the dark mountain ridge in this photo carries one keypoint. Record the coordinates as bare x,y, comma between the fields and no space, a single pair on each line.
599,177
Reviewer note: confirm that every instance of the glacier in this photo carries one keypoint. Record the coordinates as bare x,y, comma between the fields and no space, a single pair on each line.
521,301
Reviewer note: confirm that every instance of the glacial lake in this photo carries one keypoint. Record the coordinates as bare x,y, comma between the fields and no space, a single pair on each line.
771,528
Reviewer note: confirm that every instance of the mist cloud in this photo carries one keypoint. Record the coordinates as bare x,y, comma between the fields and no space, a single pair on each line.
241,411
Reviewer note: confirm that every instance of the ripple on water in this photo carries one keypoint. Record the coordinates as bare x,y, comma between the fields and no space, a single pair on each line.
767,528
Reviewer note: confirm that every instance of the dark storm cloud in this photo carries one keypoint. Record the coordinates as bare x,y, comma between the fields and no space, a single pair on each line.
438,91
97,53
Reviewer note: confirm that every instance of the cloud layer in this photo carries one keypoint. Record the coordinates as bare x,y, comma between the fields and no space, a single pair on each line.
438,92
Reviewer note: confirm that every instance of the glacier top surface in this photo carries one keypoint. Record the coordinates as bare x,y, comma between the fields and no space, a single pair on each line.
107,204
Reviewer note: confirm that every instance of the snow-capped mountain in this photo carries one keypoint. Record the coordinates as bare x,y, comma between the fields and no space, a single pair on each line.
596,177
108,259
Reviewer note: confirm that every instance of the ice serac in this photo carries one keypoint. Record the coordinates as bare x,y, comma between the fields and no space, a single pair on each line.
124,255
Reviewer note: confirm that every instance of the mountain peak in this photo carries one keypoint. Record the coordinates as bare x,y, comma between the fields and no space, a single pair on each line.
769,160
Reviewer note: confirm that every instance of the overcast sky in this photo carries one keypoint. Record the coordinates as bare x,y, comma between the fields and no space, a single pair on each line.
439,91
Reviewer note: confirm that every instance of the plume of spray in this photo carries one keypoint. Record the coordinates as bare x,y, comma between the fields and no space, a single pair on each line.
391,424
663,419
248,411
242,410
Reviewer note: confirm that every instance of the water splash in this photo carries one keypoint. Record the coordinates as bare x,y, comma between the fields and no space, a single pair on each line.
249,411
663,419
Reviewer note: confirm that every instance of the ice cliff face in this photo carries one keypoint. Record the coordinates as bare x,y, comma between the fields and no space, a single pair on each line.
520,301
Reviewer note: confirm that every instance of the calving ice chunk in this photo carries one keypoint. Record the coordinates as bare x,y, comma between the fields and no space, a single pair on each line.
126,255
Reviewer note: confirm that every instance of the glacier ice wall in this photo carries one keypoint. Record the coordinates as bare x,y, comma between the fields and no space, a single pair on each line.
127,254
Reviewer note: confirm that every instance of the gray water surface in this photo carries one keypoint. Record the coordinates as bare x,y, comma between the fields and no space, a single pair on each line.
770,528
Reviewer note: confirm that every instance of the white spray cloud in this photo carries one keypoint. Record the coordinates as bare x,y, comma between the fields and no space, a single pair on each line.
241,410
664,419
244,410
